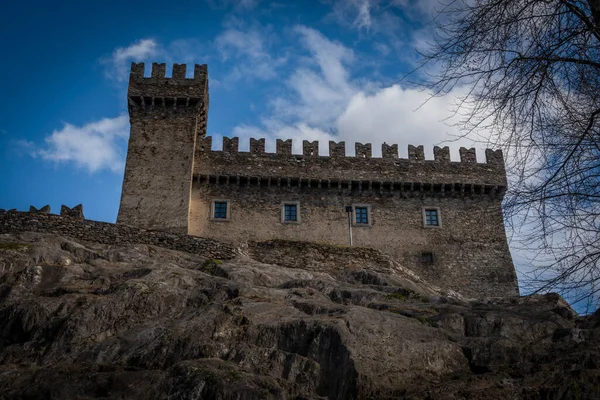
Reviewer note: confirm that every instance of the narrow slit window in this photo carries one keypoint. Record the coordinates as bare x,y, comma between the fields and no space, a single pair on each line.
432,217
220,210
290,212
362,215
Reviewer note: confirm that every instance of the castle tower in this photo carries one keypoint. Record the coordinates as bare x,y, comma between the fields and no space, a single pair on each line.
167,116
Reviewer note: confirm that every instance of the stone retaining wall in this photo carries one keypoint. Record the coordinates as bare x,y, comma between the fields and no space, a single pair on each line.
107,233
321,256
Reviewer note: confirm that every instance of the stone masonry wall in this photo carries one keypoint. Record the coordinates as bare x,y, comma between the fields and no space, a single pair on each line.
102,232
320,257
469,249
166,115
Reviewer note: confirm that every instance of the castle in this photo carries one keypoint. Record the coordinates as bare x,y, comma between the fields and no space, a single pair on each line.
440,218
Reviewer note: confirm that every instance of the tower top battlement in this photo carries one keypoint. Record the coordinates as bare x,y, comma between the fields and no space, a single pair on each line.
159,86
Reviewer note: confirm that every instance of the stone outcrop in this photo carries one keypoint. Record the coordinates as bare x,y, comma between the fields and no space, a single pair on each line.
139,321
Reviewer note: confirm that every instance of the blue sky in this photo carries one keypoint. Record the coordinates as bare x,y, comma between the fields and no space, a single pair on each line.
311,69
301,70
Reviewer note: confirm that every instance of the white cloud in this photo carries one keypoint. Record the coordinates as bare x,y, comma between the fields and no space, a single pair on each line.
119,61
274,129
329,56
94,146
325,103
399,115
141,49
320,87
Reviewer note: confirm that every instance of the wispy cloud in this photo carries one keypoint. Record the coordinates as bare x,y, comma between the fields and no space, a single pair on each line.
94,146
236,5
353,13
117,64
396,25
367,14
22,147
363,19
249,48
382,48
320,86
237,42
188,51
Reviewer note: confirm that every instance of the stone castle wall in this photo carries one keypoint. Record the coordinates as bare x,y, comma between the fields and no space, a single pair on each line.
114,234
469,250
173,176
470,253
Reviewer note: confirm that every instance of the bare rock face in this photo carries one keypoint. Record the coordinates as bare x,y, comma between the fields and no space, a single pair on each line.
84,320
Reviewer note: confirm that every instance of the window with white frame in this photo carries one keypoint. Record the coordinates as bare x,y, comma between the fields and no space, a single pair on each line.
362,214
290,212
431,217
220,210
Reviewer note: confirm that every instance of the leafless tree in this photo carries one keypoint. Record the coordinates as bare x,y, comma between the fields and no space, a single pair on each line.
531,71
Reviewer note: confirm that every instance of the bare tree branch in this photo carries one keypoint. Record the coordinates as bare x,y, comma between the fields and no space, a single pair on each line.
531,73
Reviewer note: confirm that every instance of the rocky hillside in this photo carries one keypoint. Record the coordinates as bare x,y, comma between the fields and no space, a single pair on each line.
81,320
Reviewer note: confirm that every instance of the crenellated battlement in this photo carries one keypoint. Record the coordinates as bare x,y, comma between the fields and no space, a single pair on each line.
159,71
160,91
338,150
256,165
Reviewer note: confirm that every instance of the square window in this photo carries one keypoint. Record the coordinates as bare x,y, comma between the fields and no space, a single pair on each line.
290,212
220,210
431,217
361,215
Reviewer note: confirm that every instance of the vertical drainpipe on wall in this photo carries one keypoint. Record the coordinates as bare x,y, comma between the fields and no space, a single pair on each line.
349,211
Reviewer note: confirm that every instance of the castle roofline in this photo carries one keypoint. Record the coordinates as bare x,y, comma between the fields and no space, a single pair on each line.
338,149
